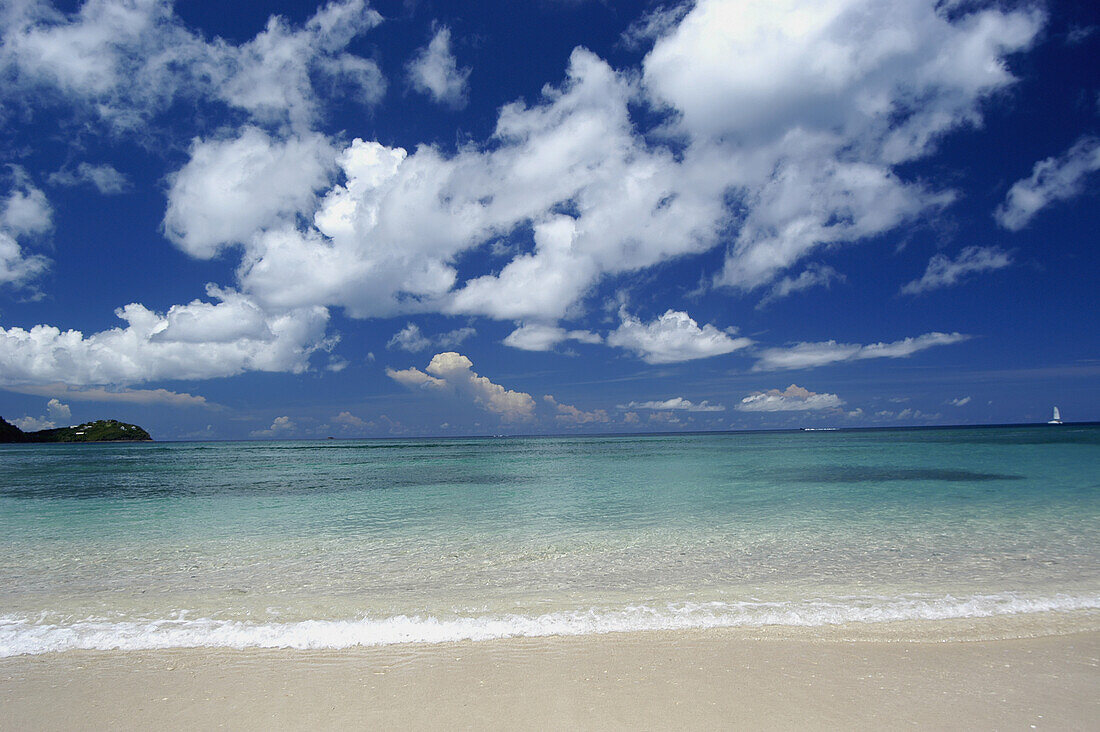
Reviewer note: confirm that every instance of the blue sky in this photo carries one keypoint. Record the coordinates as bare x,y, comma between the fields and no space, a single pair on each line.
426,218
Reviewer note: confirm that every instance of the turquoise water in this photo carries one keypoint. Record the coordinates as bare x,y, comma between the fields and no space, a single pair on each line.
327,544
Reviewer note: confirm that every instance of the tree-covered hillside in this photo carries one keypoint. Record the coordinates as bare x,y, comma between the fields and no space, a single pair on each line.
101,430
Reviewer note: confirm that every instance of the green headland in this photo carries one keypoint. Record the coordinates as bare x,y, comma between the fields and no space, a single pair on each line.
101,430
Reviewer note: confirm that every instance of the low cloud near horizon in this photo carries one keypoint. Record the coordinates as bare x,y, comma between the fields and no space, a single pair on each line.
453,373
792,399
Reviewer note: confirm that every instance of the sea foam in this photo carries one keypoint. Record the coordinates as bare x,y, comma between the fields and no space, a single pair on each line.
24,635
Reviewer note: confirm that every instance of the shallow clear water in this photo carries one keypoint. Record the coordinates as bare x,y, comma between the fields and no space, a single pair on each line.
335,543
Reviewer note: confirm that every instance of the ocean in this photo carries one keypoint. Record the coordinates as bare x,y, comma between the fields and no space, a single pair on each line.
329,544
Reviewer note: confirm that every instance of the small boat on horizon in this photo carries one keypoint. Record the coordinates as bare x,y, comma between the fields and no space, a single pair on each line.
1057,417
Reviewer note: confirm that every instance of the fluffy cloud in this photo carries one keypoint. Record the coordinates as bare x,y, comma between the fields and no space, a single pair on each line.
541,337
672,338
814,103
452,372
675,404
125,62
782,128
959,402
386,237
944,272
24,212
792,399
568,414
816,201
272,76
33,424
349,422
758,68
117,395
411,339
435,72
25,209
414,378
807,143
104,178
16,266
808,149
812,355
1053,179
281,427
58,410
195,341
232,188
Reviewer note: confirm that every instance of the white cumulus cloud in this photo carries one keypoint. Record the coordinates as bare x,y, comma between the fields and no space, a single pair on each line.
17,267
785,107
570,415
232,188
806,132
452,372
434,71
792,399
196,341
350,423
122,62
409,338
25,209
58,410
386,237
280,427
790,123
33,424
671,338
24,213
812,104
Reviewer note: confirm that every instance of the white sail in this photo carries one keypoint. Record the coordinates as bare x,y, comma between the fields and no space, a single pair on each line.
1057,415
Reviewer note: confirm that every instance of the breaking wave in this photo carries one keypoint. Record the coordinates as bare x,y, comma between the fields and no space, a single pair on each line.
25,635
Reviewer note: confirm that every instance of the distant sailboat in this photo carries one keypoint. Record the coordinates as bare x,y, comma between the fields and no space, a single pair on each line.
1057,417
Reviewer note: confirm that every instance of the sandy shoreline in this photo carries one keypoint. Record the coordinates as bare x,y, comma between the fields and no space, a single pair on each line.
695,679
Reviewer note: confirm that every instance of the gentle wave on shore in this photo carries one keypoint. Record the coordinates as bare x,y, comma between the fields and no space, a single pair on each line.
23,636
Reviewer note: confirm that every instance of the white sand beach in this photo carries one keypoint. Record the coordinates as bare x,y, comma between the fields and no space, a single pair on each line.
683,680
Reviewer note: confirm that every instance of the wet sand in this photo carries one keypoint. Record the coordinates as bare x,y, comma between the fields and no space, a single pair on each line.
685,680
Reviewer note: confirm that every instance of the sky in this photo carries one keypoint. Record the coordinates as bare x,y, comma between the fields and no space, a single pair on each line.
350,219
